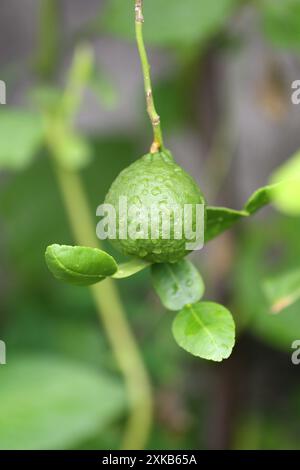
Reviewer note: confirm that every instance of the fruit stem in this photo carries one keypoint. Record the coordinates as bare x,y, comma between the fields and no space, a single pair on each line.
154,117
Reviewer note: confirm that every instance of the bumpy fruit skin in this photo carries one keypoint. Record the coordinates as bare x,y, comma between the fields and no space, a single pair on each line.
154,179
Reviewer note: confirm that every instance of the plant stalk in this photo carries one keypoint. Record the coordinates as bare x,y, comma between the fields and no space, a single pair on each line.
154,117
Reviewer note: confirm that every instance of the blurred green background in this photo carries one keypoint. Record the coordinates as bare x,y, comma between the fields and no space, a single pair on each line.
222,73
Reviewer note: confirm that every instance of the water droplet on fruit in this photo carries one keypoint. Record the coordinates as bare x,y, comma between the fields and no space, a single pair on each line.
143,253
163,202
135,200
155,191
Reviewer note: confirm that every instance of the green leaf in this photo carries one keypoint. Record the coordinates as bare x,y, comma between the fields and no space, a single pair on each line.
177,284
21,133
260,198
287,194
205,329
130,268
220,219
168,22
79,265
281,22
282,290
51,403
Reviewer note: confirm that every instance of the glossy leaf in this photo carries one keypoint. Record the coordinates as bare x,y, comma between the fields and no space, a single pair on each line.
79,265
21,134
130,268
259,199
168,22
220,219
206,330
282,290
177,284
51,403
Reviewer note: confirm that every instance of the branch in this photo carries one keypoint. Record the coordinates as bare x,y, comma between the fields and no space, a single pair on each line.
154,117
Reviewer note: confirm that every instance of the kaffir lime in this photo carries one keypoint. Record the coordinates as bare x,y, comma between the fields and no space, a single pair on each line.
155,180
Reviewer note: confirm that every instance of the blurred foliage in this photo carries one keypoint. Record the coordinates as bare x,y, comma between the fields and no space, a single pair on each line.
264,251
21,133
169,23
282,290
258,432
286,197
281,22
58,404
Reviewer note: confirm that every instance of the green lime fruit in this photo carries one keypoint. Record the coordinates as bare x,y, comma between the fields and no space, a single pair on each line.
155,180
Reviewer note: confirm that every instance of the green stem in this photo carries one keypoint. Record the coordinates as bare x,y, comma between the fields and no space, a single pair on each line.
113,317
154,117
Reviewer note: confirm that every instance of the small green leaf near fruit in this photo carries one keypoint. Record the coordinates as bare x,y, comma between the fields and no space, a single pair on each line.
220,219
206,330
177,284
79,265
